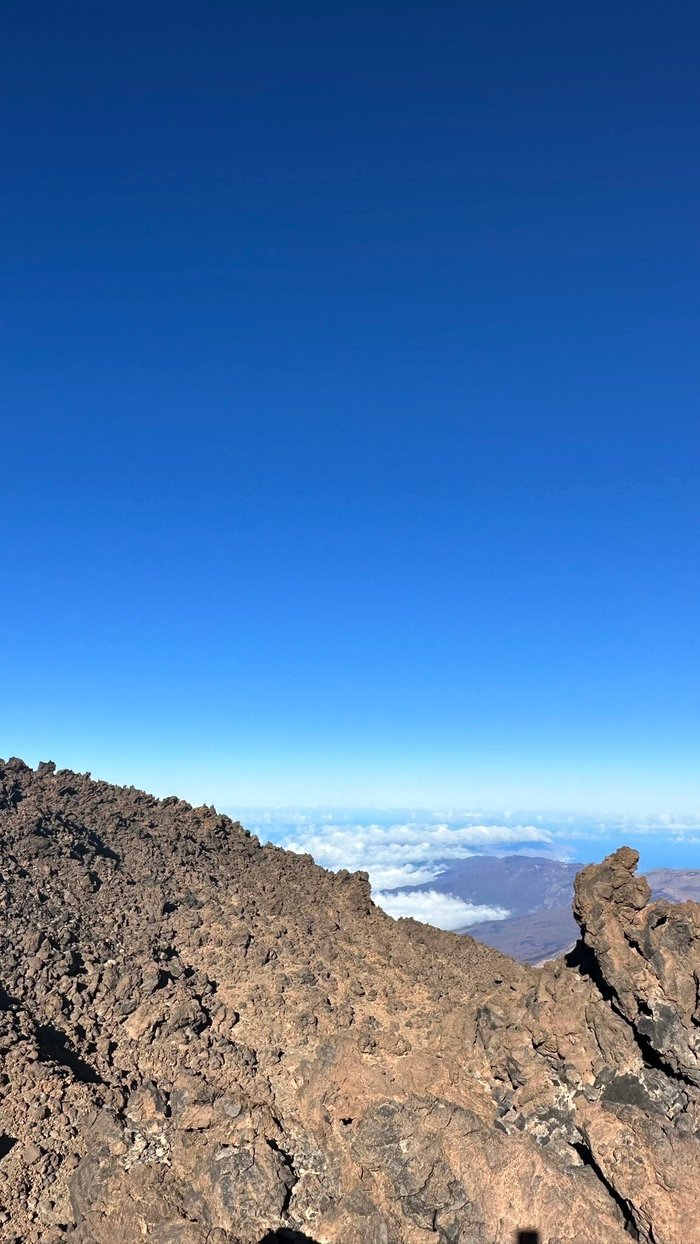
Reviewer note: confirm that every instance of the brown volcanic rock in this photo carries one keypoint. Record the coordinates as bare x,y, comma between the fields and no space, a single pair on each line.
204,1041
648,956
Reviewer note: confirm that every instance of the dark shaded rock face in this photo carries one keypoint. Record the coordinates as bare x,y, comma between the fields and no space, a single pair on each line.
205,1041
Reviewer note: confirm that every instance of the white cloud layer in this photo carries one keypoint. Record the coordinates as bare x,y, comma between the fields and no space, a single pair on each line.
442,910
405,854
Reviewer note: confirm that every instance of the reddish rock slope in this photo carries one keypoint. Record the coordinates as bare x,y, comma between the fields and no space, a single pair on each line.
205,1041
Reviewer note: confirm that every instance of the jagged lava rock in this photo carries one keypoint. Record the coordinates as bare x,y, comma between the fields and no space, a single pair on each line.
205,1041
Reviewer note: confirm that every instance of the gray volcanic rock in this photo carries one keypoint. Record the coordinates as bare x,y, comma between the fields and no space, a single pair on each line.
208,1042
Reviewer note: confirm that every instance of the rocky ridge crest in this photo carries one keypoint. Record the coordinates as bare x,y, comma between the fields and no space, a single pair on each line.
206,1041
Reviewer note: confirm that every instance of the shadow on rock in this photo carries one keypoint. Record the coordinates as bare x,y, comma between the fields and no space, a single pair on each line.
284,1236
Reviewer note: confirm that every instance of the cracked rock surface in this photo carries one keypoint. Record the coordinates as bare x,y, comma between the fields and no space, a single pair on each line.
205,1041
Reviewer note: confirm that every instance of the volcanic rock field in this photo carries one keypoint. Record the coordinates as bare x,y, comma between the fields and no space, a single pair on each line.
207,1041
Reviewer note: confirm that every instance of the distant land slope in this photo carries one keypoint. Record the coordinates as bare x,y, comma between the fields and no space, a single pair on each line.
520,883
533,938
537,892
676,884
206,1041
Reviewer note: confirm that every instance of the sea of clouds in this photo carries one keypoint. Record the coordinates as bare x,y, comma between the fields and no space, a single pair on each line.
445,911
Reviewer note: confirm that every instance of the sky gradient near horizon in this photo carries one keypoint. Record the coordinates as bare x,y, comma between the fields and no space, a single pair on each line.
349,401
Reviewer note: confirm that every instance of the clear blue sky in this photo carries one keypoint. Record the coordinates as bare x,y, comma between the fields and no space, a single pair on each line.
349,399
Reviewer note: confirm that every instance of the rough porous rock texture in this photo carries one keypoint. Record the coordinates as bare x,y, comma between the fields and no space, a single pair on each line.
206,1041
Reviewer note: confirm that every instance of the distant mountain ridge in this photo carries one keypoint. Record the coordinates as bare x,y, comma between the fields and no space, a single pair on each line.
675,884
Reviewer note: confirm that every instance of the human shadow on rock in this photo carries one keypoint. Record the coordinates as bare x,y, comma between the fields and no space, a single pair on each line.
285,1236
